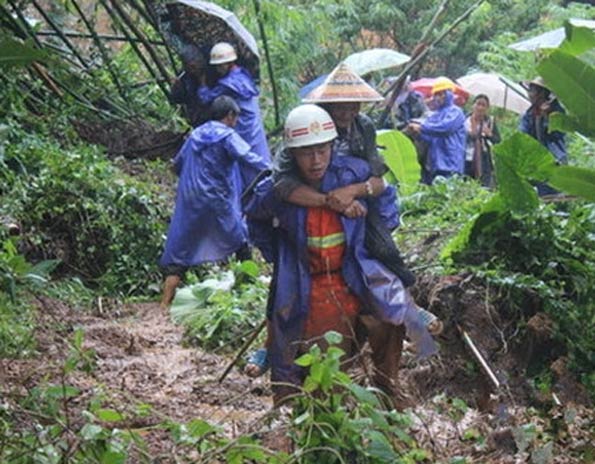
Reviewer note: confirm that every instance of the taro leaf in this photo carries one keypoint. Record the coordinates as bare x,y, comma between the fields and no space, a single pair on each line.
574,180
15,53
568,123
400,156
490,213
525,155
573,81
516,192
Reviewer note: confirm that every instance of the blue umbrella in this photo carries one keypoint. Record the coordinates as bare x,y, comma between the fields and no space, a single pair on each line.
306,89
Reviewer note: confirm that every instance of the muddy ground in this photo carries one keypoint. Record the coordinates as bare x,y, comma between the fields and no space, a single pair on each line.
140,358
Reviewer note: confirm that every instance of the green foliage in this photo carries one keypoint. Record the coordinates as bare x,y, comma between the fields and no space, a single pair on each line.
573,80
76,206
16,316
336,420
221,309
15,53
401,158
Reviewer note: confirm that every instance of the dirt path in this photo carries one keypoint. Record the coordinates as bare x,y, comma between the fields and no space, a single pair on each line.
140,362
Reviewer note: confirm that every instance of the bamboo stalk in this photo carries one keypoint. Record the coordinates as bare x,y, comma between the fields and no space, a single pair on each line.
65,39
143,12
268,60
415,61
139,34
104,54
26,28
170,53
10,23
133,44
106,37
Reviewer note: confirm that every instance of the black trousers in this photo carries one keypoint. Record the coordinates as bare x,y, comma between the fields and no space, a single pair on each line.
381,246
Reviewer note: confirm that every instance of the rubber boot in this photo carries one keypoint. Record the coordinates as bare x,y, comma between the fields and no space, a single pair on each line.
169,290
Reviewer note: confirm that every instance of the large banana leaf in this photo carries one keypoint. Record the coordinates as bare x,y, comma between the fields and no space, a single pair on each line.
400,156
580,42
573,81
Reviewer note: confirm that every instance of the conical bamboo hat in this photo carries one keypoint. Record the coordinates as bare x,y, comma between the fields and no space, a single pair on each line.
343,85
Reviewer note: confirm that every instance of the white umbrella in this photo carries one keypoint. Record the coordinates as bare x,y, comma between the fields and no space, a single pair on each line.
549,39
375,59
501,94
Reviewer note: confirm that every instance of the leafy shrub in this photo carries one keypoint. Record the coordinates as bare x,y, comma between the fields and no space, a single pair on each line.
76,207
336,420
219,310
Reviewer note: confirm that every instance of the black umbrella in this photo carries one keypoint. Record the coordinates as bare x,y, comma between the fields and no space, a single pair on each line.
204,24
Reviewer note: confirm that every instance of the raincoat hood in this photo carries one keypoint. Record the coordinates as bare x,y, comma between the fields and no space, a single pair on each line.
209,133
448,101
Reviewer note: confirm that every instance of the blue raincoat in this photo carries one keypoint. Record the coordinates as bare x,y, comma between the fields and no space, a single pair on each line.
239,85
207,223
380,291
444,131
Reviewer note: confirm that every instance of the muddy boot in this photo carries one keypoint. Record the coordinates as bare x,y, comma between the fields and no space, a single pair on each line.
169,290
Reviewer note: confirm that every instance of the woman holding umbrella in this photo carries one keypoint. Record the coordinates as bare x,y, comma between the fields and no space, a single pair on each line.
482,133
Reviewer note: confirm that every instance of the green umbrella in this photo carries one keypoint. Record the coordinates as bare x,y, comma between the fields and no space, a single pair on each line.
375,59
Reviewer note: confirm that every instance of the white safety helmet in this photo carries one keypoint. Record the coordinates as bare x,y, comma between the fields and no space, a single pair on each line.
222,52
308,125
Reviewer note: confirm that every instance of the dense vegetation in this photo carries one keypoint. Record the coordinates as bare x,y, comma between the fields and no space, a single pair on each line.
93,225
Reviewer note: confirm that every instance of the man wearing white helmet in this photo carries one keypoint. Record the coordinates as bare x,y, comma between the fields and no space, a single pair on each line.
237,83
324,279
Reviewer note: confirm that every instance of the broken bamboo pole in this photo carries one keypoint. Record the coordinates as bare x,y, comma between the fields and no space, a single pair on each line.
268,60
106,37
116,19
60,34
417,59
25,27
102,50
139,34
243,349
155,22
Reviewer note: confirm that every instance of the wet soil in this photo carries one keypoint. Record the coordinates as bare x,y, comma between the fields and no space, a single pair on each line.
141,359
131,139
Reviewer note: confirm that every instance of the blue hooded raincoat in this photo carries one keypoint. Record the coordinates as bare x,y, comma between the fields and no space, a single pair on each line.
380,291
444,131
239,85
207,223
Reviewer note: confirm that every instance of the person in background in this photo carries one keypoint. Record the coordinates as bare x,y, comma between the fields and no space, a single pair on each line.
237,83
185,87
444,132
409,106
207,224
535,122
482,133
324,279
